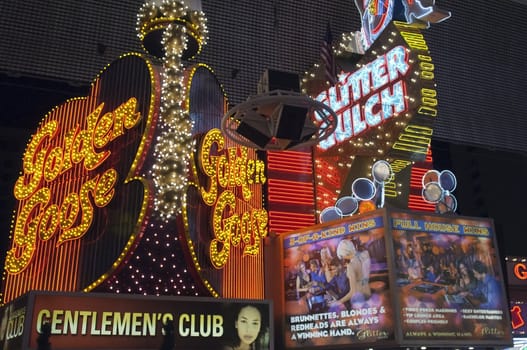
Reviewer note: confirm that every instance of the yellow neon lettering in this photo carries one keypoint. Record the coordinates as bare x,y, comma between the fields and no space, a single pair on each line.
33,164
47,158
49,222
229,168
220,245
25,232
209,164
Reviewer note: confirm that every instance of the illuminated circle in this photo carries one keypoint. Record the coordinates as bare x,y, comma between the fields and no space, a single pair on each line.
430,176
330,214
381,171
447,205
432,192
347,205
447,180
363,189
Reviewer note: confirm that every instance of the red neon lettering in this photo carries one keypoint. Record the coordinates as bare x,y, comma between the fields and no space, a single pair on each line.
520,271
516,317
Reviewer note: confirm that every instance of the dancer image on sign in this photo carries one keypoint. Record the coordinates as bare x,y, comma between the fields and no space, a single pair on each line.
358,266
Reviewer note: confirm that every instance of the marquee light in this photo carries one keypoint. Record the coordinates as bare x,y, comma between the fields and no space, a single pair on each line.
174,143
51,153
229,169
74,174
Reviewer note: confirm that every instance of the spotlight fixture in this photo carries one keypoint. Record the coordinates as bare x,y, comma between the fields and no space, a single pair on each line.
279,120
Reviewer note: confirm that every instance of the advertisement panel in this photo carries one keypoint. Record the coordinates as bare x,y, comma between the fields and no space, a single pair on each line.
337,285
110,321
12,323
448,280
390,278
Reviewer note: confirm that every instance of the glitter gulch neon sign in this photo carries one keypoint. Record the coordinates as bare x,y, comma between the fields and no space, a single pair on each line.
380,83
386,108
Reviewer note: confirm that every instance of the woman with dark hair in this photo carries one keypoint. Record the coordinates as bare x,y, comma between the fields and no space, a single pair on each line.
247,329
466,280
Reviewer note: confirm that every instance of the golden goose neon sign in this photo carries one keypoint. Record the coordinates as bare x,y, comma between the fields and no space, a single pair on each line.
50,154
228,171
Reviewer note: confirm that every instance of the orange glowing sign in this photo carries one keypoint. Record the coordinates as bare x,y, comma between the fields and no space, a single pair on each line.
82,198
520,271
51,154
230,171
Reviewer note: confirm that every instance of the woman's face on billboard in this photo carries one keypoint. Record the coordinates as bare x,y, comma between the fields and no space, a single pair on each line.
248,324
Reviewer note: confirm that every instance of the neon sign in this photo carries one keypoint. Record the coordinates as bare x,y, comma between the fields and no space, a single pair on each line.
517,320
377,14
230,171
386,108
51,154
520,271
379,82
82,195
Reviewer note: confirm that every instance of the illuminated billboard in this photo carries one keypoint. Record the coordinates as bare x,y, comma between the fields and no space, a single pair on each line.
322,305
386,104
103,321
82,195
86,220
390,278
448,280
